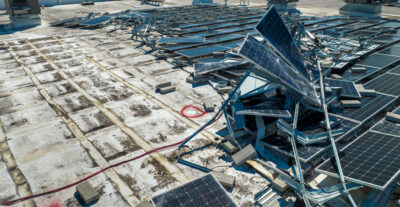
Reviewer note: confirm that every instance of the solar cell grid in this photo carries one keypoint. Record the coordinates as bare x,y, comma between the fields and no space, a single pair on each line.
386,83
387,127
379,60
274,30
369,107
395,70
394,50
384,39
202,192
96,21
355,77
373,159
348,88
270,65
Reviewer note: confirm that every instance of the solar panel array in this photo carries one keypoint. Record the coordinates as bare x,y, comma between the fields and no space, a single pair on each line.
204,68
373,159
387,127
276,70
386,83
379,60
274,30
181,40
202,192
369,107
266,112
394,50
348,88
355,77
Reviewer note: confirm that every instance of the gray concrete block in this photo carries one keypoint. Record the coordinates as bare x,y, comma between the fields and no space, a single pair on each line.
336,76
196,80
145,204
392,117
225,89
208,106
243,155
227,181
228,146
87,192
167,89
350,103
368,92
279,185
163,85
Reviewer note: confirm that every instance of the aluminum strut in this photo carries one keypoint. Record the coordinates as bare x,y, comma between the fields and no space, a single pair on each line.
328,127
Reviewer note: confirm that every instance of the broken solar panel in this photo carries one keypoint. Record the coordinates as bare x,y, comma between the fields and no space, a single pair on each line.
204,68
180,40
274,30
386,83
202,192
266,112
272,68
373,160
348,88
96,21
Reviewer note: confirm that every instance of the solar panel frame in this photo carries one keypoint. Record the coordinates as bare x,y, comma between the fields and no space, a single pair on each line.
348,88
205,191
387,83
266,112
204,68
281,39
358,155
280,76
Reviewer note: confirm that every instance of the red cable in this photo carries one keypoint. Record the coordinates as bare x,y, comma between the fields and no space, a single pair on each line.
202,113
13,202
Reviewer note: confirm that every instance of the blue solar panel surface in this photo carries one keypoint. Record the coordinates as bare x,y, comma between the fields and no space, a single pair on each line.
271,66
395,70
180,40
379,60
348,89
373,159
387,127
266,112
274,30
198,52
386,83
394,50
204,68
355,77
202,192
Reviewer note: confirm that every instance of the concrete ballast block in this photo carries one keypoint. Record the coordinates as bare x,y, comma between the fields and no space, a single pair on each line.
228,146
350,103
227,181
358,69
208,106
87,192
167,89
145,204
225,89
163,85
279,185
243,155
393,117
336,76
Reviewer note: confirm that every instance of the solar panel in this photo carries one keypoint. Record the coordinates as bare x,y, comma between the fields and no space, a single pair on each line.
96,21
310,152
395,70
202,192
373,160
394,50
198,52
272,68
204,68
397,111
355,77
385,39
386,83
369,107
180,40
266,112
348,88
274,30
379,60
387,127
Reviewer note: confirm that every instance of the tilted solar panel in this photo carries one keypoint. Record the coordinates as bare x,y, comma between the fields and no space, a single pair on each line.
348,88
204,68
395,70
274,30
271,67
266,112
202,192
373,160
96,21
386,83
180,40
